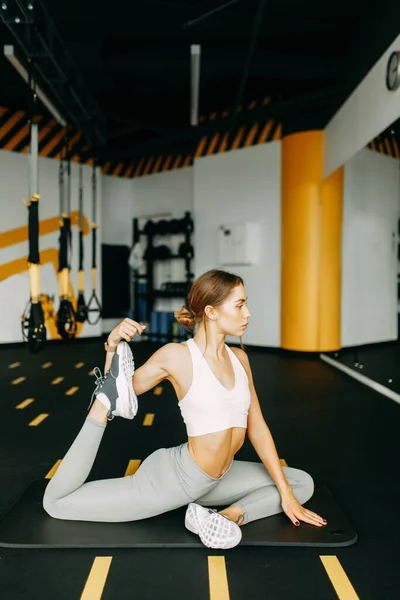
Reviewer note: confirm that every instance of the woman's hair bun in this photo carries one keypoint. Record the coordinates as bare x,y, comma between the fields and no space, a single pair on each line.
185,317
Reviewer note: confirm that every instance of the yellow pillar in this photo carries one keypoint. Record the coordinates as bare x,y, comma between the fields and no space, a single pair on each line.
311,246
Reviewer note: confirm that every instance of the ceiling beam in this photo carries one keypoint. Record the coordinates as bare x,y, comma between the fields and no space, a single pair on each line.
276,109
218,60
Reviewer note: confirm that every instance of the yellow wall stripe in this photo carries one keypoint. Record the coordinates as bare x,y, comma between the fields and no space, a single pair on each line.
283,462
12,121
388,147
47,365
18,137
25,403
139,167
128,174
251,135
14,365
20,234
278,133
265,132
187,161
157,165
148,165
148,420
79,365
57,139
238,138
201,146
97,578
158,390
39,419
53,470
218,579
396,148
176,162
18,381
339,579
118,169
43,132
167,163
57,380
214,141
132,467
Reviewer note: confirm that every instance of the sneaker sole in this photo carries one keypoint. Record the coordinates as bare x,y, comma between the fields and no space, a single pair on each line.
121,382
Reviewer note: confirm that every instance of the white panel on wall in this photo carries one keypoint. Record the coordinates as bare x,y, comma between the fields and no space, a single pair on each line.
14,291
369,110
238,187
369,249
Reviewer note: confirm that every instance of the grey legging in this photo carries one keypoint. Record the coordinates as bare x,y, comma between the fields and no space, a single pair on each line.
167,479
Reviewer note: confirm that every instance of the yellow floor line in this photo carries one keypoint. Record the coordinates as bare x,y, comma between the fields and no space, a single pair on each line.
217,578
39,419
72,391
47,365
132,467
19,380
148,420
25,403
96,581
57,380
339,579
79,365
283,462
14,365
158,390
53,470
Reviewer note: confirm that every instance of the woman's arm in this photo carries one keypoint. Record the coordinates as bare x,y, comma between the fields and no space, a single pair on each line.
155,370
259,434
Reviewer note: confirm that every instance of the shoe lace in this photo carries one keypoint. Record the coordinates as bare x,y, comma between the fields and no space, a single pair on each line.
100,380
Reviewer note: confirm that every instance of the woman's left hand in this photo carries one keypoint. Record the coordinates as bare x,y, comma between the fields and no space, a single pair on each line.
295,511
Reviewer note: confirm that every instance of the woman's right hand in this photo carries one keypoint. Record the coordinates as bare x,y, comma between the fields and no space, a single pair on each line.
125,331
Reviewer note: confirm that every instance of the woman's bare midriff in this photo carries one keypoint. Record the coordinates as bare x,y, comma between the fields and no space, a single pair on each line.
213,452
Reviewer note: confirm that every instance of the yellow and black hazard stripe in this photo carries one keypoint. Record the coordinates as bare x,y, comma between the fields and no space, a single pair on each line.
242,137
14,135
385,144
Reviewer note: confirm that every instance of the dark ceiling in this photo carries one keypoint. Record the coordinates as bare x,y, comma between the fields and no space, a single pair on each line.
132,63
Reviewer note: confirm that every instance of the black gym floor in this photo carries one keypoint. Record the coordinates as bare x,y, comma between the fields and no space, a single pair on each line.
343,433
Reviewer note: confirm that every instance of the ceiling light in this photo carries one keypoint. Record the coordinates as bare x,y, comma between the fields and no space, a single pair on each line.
4,6
9,54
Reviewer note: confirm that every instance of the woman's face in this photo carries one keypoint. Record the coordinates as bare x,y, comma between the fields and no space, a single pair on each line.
233,315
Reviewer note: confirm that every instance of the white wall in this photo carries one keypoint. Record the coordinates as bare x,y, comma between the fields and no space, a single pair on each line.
235,187
370,109
14,291
117,210
369,249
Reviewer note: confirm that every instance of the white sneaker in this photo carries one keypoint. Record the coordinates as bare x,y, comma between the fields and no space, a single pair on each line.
214,530
115,389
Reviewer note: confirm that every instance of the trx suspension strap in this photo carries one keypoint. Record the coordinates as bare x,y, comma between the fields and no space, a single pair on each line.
66,321
81,311
33,324
94,304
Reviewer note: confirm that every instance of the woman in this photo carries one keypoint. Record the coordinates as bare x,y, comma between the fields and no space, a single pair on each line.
216,395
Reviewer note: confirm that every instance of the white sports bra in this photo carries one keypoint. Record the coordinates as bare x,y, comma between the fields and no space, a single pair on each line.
208,406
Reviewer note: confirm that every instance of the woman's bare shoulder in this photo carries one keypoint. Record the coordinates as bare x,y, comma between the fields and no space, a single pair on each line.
173,352
241,355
